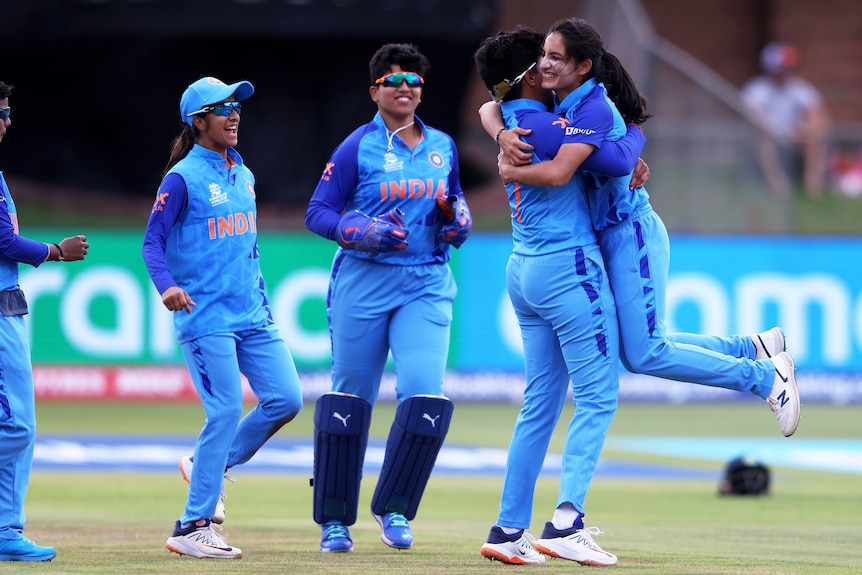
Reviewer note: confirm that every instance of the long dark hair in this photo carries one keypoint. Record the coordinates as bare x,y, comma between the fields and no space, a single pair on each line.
583,42
181,146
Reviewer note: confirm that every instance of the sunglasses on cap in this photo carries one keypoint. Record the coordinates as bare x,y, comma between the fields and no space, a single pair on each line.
395,80
4,113
499,91
223,109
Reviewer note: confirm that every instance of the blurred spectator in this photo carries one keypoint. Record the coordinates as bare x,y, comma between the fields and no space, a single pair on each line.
790,113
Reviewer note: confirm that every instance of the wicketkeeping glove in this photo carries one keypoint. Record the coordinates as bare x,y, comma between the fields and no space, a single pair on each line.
385,233
458,222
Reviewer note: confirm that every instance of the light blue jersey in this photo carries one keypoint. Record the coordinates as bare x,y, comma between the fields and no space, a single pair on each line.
565,309
545,219
202,238
216,218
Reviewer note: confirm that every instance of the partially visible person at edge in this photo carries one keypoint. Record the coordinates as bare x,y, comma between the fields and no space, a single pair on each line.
562,298
17,396
391,197
793,120
202,254
634,241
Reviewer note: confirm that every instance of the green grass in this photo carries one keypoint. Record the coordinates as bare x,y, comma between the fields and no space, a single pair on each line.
116,523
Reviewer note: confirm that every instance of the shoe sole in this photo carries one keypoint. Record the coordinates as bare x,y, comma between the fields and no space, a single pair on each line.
193,552
25,559
543,548
494,555
394,546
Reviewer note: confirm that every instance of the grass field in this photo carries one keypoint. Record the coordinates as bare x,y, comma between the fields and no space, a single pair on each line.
116,523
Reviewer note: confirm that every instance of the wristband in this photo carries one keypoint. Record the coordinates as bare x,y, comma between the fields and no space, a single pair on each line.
497,137
59,249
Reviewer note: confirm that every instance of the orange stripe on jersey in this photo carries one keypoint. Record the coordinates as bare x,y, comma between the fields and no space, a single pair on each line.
517,211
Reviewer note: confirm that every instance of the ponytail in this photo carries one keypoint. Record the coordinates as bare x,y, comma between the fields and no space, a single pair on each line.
180,148
630,102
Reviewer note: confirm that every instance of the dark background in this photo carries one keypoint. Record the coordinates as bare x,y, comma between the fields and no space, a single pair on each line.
98,83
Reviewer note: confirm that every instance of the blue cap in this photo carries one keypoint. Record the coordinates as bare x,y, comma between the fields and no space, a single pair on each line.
779,57
208,91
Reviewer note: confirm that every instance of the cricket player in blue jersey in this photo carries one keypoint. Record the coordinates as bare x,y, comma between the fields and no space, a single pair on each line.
561,296
391,197
201,251
633,238
17,395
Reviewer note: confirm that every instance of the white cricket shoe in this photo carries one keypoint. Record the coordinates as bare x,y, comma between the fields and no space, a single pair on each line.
200,540
516,549
783,400
186,467
575,544
768,343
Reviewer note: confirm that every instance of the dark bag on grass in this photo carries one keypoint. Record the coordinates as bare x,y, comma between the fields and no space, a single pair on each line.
745,476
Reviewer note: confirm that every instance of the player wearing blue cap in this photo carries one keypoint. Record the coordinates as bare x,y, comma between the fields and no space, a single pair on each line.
390,196
201,251
633,238
793,120
565,309
17,396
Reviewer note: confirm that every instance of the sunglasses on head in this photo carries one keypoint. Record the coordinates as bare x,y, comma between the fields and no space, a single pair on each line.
499,91
223,109
395,80
4,113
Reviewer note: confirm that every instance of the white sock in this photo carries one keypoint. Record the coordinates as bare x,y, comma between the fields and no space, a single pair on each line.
565,516
510,530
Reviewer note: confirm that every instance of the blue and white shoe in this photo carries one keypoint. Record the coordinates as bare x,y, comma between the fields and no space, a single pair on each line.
199,539
24,550
575,544
516,549
396,530
769,343
784,400
336,538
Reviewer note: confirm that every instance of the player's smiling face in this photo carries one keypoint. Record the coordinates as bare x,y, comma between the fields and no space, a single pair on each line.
217,132
561,72
396,102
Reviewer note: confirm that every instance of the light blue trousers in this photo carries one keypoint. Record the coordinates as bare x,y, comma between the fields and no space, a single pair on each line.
17,424
227,438
637,257
565,309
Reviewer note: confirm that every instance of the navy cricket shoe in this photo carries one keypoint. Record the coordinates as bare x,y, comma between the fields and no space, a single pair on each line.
24,550
336,537
396,530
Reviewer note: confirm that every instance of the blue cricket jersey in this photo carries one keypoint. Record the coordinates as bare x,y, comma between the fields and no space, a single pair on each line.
202,237
373,171
596,119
